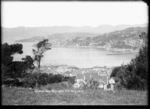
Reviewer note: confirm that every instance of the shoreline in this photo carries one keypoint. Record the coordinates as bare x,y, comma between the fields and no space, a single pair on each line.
113,50
121,50
65,68
69,66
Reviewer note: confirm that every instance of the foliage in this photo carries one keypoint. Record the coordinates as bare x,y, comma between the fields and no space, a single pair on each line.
40,79
7,65
28,62
29,81
13,82
92,84
71,80
41,47
8,51
135,74
13,71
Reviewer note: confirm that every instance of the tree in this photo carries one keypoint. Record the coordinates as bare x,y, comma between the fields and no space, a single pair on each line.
41,47
14,70
135,74
7,58
144,36
28,61
8,51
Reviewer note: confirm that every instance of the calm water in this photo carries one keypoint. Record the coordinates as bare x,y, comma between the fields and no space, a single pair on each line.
80,57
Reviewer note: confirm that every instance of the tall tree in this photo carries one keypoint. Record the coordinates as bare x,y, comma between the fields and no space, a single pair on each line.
41,47
8,51
7,58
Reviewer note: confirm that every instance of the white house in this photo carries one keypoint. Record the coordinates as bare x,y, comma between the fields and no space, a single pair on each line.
112,82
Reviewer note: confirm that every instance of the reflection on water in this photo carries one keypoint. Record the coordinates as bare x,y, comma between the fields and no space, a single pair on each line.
80,57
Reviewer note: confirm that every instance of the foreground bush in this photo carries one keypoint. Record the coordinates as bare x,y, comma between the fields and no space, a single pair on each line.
91,84
30,81
40,79
13,71
13,82
135,74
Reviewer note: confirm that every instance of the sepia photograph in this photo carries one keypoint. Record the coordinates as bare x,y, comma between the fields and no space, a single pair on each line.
74,52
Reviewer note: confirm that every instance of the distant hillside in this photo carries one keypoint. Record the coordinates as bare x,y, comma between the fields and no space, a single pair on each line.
18,33
33,39
121,39
58,37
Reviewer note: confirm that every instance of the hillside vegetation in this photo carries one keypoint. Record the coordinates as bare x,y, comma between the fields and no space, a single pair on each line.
12,34
120,39
134,75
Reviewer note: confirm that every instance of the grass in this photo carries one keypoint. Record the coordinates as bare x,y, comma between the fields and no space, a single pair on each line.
25,96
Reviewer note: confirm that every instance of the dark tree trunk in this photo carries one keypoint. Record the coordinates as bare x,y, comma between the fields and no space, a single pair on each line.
39,63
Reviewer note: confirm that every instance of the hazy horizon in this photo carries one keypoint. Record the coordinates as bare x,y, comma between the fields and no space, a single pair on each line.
73,14
144,24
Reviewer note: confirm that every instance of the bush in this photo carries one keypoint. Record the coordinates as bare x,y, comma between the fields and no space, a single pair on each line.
134,75
92,84
65,84
30,81
39,79
71,80
35,80
55,78
42,78
13,82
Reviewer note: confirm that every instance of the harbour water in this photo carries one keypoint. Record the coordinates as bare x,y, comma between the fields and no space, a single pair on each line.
79,57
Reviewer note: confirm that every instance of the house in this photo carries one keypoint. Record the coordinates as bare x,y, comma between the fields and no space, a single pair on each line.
101,84
100,77
82,78
112,82
76,85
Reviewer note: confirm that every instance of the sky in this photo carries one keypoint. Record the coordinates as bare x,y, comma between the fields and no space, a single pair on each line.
75,13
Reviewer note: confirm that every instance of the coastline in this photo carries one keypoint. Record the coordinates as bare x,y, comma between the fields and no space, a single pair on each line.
72,70
114,50
122,50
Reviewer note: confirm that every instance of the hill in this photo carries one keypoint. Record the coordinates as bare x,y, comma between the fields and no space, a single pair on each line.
121,39
18,33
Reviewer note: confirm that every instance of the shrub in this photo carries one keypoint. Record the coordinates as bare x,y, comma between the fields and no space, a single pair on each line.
134,75
58,78
30,81
55,78
92,84
13,82
42,78
65,84
71,80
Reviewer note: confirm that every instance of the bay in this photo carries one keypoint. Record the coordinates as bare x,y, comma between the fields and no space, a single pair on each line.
79,57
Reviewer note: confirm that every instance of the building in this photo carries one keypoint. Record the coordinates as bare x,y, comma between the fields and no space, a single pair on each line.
112,82
88,76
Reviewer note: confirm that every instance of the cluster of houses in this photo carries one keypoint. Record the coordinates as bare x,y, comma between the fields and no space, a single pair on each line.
102,77
100,74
